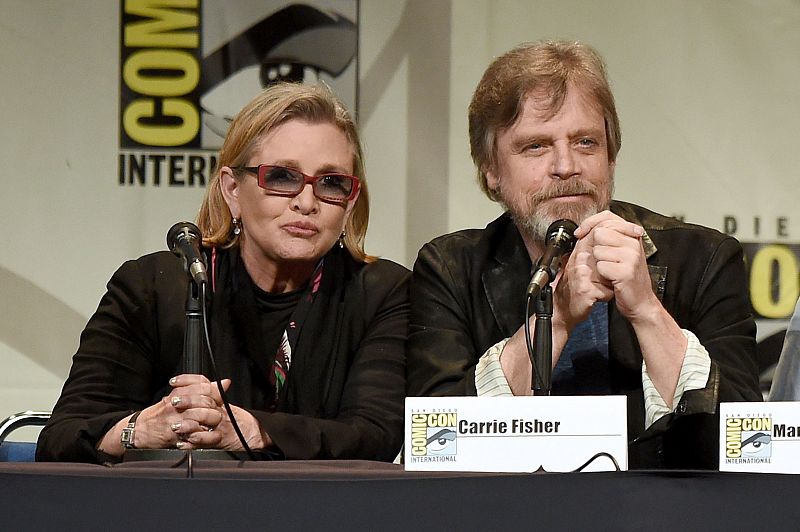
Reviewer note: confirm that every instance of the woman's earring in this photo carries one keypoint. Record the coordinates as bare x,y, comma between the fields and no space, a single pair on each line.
341,240
236,227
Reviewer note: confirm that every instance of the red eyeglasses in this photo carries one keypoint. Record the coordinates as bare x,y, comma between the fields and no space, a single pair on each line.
283,181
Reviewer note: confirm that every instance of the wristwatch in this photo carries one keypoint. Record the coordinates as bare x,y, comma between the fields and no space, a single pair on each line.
128,432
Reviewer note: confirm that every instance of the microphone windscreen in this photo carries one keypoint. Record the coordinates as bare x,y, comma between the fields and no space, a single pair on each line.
185,229
563,232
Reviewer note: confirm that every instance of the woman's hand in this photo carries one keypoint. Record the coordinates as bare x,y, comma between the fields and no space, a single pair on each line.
192,416
203,421
188,416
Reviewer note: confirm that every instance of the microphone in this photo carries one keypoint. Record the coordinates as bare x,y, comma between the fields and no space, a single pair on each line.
184,240
559,241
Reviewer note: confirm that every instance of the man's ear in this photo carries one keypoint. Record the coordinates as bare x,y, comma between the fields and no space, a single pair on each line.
230,190
492,179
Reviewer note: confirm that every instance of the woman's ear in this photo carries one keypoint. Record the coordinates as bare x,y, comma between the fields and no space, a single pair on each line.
351,205
230,190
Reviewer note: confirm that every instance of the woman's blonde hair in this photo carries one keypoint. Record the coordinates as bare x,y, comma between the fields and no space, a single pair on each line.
274,106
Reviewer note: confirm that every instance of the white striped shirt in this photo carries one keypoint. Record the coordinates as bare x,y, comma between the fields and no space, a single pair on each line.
490,380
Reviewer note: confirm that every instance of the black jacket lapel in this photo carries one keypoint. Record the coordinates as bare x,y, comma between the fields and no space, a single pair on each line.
506,278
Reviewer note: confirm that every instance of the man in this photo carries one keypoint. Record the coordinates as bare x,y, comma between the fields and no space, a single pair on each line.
644,306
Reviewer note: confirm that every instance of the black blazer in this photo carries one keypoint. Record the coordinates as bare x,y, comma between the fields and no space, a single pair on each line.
133,344
468,293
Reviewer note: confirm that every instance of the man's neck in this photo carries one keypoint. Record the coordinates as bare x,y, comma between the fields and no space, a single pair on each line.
534,246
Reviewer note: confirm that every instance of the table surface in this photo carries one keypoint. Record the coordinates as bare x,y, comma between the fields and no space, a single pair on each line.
354,495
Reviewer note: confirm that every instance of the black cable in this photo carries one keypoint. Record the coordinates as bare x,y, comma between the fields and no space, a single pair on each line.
228,409
595,457
528,340
180,462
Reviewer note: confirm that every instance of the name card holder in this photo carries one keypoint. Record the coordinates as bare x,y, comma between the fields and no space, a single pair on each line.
760,437
516,434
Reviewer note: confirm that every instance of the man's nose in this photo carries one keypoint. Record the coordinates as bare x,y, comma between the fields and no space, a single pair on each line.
564,164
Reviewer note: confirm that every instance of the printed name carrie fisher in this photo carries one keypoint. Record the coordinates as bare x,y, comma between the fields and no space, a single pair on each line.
514,427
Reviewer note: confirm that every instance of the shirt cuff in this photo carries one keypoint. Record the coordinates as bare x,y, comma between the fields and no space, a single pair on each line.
490,381
694,376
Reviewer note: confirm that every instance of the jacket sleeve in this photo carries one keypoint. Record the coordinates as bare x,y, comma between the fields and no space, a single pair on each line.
441,353
717,311
722,321
110,375
369,422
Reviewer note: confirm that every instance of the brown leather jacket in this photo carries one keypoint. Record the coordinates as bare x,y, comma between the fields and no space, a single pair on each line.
468,293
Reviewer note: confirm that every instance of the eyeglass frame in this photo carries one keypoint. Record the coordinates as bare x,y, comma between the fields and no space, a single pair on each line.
307,179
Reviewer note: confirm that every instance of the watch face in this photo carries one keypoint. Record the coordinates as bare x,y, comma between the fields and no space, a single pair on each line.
127,438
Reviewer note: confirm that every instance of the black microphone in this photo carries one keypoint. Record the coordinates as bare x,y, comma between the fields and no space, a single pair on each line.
559,241
184,240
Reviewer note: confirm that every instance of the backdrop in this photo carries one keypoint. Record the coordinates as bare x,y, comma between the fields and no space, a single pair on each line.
706,93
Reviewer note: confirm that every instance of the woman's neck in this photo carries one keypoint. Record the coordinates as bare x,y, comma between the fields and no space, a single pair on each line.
276,278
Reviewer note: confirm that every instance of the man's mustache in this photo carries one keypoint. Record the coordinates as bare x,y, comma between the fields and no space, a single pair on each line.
568,187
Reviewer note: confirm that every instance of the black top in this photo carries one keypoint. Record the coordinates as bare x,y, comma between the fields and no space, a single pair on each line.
344,394
275,311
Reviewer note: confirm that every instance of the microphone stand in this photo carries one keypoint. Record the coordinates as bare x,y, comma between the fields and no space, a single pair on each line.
193,362
193,345
541,352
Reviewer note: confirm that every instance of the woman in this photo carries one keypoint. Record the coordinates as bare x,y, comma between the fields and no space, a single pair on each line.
308,332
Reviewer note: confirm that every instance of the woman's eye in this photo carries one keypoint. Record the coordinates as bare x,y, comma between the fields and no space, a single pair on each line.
332,180
280,175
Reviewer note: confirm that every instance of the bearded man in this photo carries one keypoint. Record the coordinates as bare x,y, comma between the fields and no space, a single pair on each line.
645,306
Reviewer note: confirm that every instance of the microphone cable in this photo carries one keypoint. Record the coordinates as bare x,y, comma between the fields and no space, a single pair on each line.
527,327
222,394
601,454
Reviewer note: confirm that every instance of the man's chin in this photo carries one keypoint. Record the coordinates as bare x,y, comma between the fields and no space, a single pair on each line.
537,224
575,211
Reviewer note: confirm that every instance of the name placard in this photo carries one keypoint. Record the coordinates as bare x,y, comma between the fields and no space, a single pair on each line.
760,437
516,434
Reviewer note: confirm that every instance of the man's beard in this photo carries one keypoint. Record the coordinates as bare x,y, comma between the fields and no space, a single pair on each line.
533,214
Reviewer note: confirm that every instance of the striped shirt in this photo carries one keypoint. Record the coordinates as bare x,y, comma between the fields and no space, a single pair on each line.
490,380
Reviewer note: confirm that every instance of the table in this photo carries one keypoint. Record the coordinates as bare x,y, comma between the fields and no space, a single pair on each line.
363,495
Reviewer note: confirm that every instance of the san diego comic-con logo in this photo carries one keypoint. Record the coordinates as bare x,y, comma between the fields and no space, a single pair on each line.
181,83
748,439
434,434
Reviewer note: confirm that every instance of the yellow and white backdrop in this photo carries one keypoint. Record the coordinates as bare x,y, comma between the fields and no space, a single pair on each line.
92,173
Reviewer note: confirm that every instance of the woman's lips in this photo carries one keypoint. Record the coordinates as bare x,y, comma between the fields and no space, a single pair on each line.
301,229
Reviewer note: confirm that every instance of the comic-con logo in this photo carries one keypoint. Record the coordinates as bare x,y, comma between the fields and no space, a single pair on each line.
748,438
182,81
433,433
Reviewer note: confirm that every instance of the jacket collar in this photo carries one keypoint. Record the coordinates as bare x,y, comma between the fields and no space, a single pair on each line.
625,211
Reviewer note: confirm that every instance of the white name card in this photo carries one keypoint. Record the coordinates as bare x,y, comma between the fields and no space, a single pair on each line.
516,434
760,437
